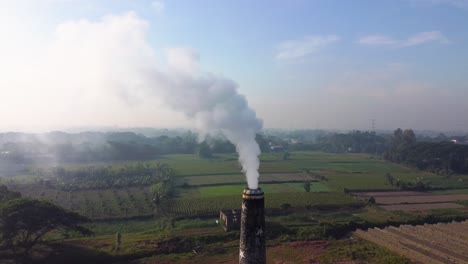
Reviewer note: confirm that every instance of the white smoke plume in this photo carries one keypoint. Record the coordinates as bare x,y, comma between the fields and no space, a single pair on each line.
91,61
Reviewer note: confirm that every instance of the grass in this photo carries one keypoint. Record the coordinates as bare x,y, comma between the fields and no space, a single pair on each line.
363,251
338,181
212,191
211,205
376,214
463,202
211,178
453,191
240,178
140,237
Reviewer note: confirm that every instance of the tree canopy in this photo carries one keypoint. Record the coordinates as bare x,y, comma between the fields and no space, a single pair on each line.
6,195
23,222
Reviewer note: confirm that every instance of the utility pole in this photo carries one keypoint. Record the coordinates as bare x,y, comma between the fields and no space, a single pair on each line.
373,121
372,124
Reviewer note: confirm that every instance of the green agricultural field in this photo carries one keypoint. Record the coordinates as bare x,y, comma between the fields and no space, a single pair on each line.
210,191
339,181
211,205
207,185
240,178
436,181
454,191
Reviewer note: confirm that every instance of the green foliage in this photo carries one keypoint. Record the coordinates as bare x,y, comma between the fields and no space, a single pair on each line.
204,151
360,251
390,179
212,205
286,155
307,186
23,222
285,206
99,177
443,158
354,142
164,188
6,195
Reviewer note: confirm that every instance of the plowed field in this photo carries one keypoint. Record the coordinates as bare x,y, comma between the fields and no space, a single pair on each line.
437,244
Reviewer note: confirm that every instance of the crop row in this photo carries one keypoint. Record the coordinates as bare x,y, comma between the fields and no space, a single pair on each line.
137,202
210,205
100,204
439,243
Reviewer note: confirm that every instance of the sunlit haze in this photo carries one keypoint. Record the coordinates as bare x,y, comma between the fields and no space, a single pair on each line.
299,64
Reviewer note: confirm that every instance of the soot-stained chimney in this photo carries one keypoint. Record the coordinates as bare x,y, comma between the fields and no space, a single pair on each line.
252,236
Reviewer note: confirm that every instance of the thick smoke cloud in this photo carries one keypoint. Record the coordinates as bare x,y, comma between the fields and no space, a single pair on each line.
112,56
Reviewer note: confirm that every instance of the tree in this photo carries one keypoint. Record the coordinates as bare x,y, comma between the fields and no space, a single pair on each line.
161,192
286,155
285,206
6,195
23,222
204,151
390,179
307,186
408,136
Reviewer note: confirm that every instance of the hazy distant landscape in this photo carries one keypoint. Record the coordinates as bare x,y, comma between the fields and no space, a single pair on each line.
318,185
171,131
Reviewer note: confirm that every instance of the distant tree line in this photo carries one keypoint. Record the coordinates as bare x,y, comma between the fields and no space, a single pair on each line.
435,154
443,158
99,177
112,146
353,142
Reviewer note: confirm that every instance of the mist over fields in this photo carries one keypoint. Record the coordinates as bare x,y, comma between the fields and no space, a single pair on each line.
180,132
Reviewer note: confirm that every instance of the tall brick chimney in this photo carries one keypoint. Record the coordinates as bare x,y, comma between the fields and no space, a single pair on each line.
252,236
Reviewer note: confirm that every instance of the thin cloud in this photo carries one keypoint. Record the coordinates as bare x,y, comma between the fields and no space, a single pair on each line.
416,39
158,6
377,40
425,37
295,49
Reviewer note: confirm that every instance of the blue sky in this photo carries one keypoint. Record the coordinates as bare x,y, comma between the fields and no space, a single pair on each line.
304,64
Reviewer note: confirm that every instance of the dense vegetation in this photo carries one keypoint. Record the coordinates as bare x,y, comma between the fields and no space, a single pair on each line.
24,222
443,158
99,177
354,142
164,196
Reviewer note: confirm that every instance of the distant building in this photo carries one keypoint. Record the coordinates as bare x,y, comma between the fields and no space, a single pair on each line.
458,142
295,141
230,219
276,148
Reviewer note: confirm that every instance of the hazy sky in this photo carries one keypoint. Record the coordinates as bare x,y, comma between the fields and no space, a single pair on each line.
301,64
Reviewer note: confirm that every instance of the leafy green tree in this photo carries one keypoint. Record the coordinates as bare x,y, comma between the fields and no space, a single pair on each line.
307,186
390,179
23,222
161,193
204,151
286,155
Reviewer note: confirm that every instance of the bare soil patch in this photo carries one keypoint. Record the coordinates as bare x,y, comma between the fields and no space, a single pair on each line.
416,199
422,243
420,207
387,194
297,252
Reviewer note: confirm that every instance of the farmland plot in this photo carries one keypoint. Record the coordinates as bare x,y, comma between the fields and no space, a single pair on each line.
416,199
439,243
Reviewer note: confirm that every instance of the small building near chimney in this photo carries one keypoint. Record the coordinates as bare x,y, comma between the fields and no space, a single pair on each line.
230,219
